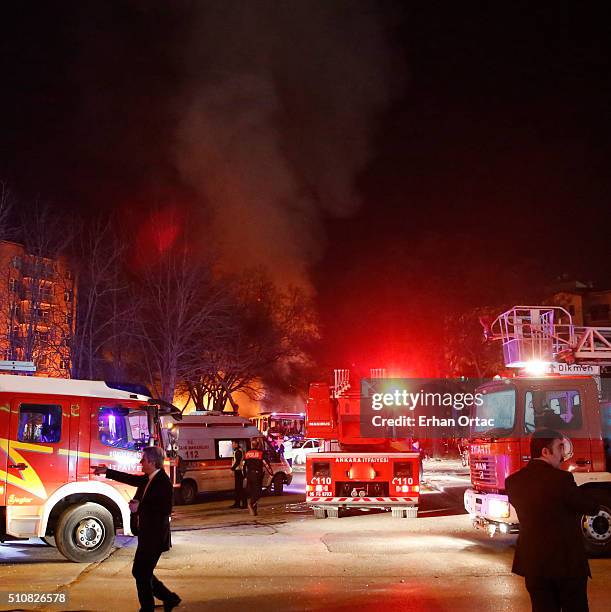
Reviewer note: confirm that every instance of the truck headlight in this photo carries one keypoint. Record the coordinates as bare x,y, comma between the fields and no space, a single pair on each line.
498,508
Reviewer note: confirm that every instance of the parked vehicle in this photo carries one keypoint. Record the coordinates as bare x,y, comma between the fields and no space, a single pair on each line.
564,393
352,471
299,451
201,443
51,432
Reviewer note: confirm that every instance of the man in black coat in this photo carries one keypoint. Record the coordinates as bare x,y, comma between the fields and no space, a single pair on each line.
151,509
550,553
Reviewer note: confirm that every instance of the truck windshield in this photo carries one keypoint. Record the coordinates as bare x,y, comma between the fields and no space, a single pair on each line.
496,416
120,427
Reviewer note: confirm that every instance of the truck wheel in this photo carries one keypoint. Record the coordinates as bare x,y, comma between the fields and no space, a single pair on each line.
188,492
85,533
278,484
49,541
597,529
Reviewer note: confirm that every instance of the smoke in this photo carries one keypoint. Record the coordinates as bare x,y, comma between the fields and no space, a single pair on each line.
279,113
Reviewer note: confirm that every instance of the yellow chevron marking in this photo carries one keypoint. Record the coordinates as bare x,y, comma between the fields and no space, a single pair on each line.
28,479
5,409
84,455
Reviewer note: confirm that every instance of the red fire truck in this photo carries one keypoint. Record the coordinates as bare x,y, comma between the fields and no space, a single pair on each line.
51,432
355,471
559,386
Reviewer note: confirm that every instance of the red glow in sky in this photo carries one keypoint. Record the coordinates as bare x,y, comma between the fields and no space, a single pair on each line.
158,234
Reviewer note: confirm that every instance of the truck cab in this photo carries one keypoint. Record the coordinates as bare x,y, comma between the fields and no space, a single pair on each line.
52,431
559,398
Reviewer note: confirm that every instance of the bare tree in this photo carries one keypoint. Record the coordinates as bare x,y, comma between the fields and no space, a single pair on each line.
466,351
180,310
6,205
101,309
268,332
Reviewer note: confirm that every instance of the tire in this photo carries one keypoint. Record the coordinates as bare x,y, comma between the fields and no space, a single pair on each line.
85,533
597,529
49,541
278,484
188,492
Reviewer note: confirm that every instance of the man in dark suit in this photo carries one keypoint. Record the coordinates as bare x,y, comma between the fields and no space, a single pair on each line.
550,553
151,509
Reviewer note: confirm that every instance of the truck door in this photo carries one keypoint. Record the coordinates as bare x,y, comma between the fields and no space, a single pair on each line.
38,449
117,435
223,475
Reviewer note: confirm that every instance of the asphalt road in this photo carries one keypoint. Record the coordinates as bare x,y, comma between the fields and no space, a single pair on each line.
286,560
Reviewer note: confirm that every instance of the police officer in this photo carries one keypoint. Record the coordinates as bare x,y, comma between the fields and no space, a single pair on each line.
254,465
237,467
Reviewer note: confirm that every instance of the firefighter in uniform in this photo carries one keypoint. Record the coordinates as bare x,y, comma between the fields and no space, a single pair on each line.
237,467
254,464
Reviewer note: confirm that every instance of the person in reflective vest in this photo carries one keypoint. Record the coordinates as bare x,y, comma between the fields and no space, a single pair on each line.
254,464
237,467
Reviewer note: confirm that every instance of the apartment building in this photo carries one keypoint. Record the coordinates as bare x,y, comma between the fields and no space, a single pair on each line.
37,310
587,305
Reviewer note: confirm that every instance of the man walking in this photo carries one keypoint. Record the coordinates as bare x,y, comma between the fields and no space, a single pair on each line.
550,553
254,465
237,467
151,509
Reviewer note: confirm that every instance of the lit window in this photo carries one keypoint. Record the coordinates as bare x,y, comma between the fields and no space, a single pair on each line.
120,427
39,423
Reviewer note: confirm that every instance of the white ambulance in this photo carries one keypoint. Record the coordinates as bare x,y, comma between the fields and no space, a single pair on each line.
201,441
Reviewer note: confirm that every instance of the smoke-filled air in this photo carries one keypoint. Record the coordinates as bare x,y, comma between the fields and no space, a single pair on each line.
277,117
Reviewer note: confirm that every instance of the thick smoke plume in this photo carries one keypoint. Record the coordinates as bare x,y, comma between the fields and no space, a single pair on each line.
281,108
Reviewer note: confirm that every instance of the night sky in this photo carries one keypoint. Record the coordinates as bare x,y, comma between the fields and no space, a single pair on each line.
399,160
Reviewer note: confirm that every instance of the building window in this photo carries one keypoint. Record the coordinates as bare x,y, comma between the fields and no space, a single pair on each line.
39,423
45,293
599,312
17,262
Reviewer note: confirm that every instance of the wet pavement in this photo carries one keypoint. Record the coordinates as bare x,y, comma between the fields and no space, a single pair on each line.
284,559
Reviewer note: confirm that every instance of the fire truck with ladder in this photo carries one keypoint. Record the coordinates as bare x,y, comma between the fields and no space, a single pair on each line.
559,386
353,471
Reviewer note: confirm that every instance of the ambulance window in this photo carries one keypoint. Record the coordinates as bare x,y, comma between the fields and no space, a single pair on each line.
39,423
224,450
